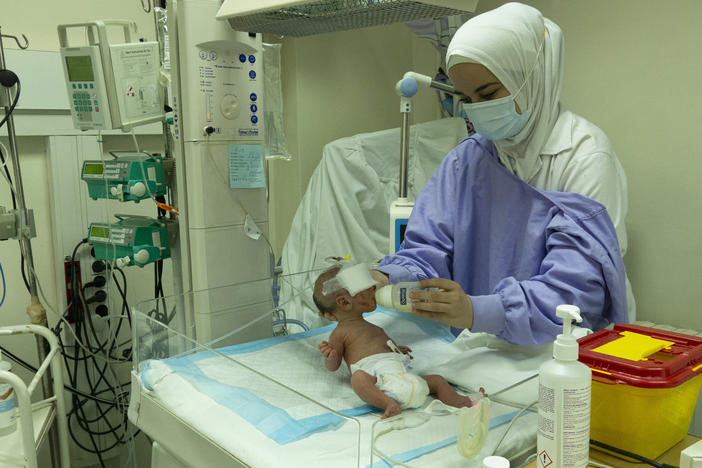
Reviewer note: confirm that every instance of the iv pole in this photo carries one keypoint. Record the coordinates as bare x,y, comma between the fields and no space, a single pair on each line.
401,208
24,221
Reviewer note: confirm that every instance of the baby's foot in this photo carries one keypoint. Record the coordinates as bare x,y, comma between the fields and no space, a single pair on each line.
461,401
391,409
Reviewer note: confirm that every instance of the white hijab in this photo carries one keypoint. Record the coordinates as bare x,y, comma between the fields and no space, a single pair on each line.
511,41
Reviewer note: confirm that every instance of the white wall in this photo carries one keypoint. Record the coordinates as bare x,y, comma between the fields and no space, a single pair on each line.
336,85
38,20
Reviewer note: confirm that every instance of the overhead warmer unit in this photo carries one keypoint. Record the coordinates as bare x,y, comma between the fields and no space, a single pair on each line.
305,18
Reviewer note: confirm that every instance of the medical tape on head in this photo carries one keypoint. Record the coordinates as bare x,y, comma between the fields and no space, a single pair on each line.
331,285
353,279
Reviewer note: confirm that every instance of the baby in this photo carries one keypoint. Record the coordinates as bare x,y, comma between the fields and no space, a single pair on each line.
377,364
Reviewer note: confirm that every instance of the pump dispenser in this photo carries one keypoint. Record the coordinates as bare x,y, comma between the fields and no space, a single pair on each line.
565,348
563,438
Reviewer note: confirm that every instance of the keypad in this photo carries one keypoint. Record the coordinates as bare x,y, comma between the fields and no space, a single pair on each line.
84,101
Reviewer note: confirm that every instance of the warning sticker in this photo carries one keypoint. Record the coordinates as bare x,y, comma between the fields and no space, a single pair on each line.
544,459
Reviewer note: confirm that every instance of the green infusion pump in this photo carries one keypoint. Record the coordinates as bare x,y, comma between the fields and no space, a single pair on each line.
132,240
129,177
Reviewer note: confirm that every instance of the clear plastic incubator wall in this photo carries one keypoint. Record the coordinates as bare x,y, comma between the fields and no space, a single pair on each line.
261,394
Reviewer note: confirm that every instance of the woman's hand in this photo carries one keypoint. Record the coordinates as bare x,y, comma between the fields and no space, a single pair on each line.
450,305
380,277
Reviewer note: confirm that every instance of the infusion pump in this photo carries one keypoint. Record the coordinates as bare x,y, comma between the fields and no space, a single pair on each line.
111,86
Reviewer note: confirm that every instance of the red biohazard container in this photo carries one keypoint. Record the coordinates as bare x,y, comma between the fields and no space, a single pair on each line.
645,384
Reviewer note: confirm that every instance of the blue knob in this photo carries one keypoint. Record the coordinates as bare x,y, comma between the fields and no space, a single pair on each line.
408,87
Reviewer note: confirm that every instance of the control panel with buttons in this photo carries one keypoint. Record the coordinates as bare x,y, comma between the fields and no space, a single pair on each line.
131,176
88,98
132,240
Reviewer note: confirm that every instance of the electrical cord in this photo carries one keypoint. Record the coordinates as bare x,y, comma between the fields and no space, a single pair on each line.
9,79
91,355
630,454
4,286
511,423
88,362
33,369
8,177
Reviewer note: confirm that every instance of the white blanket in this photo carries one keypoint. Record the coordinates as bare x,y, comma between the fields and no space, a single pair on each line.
261,422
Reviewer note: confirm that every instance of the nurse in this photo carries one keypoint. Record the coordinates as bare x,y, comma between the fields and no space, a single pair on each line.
508,66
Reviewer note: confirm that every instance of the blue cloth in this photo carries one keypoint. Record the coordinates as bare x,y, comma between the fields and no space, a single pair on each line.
517,251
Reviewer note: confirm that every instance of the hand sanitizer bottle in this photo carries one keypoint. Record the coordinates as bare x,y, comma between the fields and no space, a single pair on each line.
563,437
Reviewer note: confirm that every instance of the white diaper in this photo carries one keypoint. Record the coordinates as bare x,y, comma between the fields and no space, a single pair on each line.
408,390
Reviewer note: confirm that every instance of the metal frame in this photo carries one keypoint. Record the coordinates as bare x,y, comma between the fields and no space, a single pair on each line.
307,17
24,394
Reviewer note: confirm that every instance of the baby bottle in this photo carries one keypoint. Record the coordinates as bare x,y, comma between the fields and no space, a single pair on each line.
396,296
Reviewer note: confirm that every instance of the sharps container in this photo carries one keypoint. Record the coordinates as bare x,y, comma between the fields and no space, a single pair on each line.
645,384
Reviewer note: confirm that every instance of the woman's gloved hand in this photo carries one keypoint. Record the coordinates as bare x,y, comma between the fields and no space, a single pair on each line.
450,305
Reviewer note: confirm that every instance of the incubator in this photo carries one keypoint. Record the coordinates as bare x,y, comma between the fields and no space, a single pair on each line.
222,393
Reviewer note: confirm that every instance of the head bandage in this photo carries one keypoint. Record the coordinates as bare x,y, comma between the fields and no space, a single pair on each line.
354,279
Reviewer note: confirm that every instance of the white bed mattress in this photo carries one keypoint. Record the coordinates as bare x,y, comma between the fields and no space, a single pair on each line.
266,424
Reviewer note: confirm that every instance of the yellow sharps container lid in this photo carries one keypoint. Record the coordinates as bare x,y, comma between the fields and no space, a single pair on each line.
633,346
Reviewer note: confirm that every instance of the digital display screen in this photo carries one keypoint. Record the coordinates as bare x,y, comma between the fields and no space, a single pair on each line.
403,228
93,169
80,68
97,231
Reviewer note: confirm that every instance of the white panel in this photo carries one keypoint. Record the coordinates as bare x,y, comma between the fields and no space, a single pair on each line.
217,86
68,203
211,326
226,256
211,201
41,77
162,458
215,90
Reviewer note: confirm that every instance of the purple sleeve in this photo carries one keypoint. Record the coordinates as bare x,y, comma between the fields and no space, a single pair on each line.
523,312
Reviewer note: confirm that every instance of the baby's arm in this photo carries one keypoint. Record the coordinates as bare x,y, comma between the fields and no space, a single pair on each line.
402,349
333,351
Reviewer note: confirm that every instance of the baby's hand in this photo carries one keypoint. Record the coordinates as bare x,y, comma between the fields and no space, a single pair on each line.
405,350
327,350
327,316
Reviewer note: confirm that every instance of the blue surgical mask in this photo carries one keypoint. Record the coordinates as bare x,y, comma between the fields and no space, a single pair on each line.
497,119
